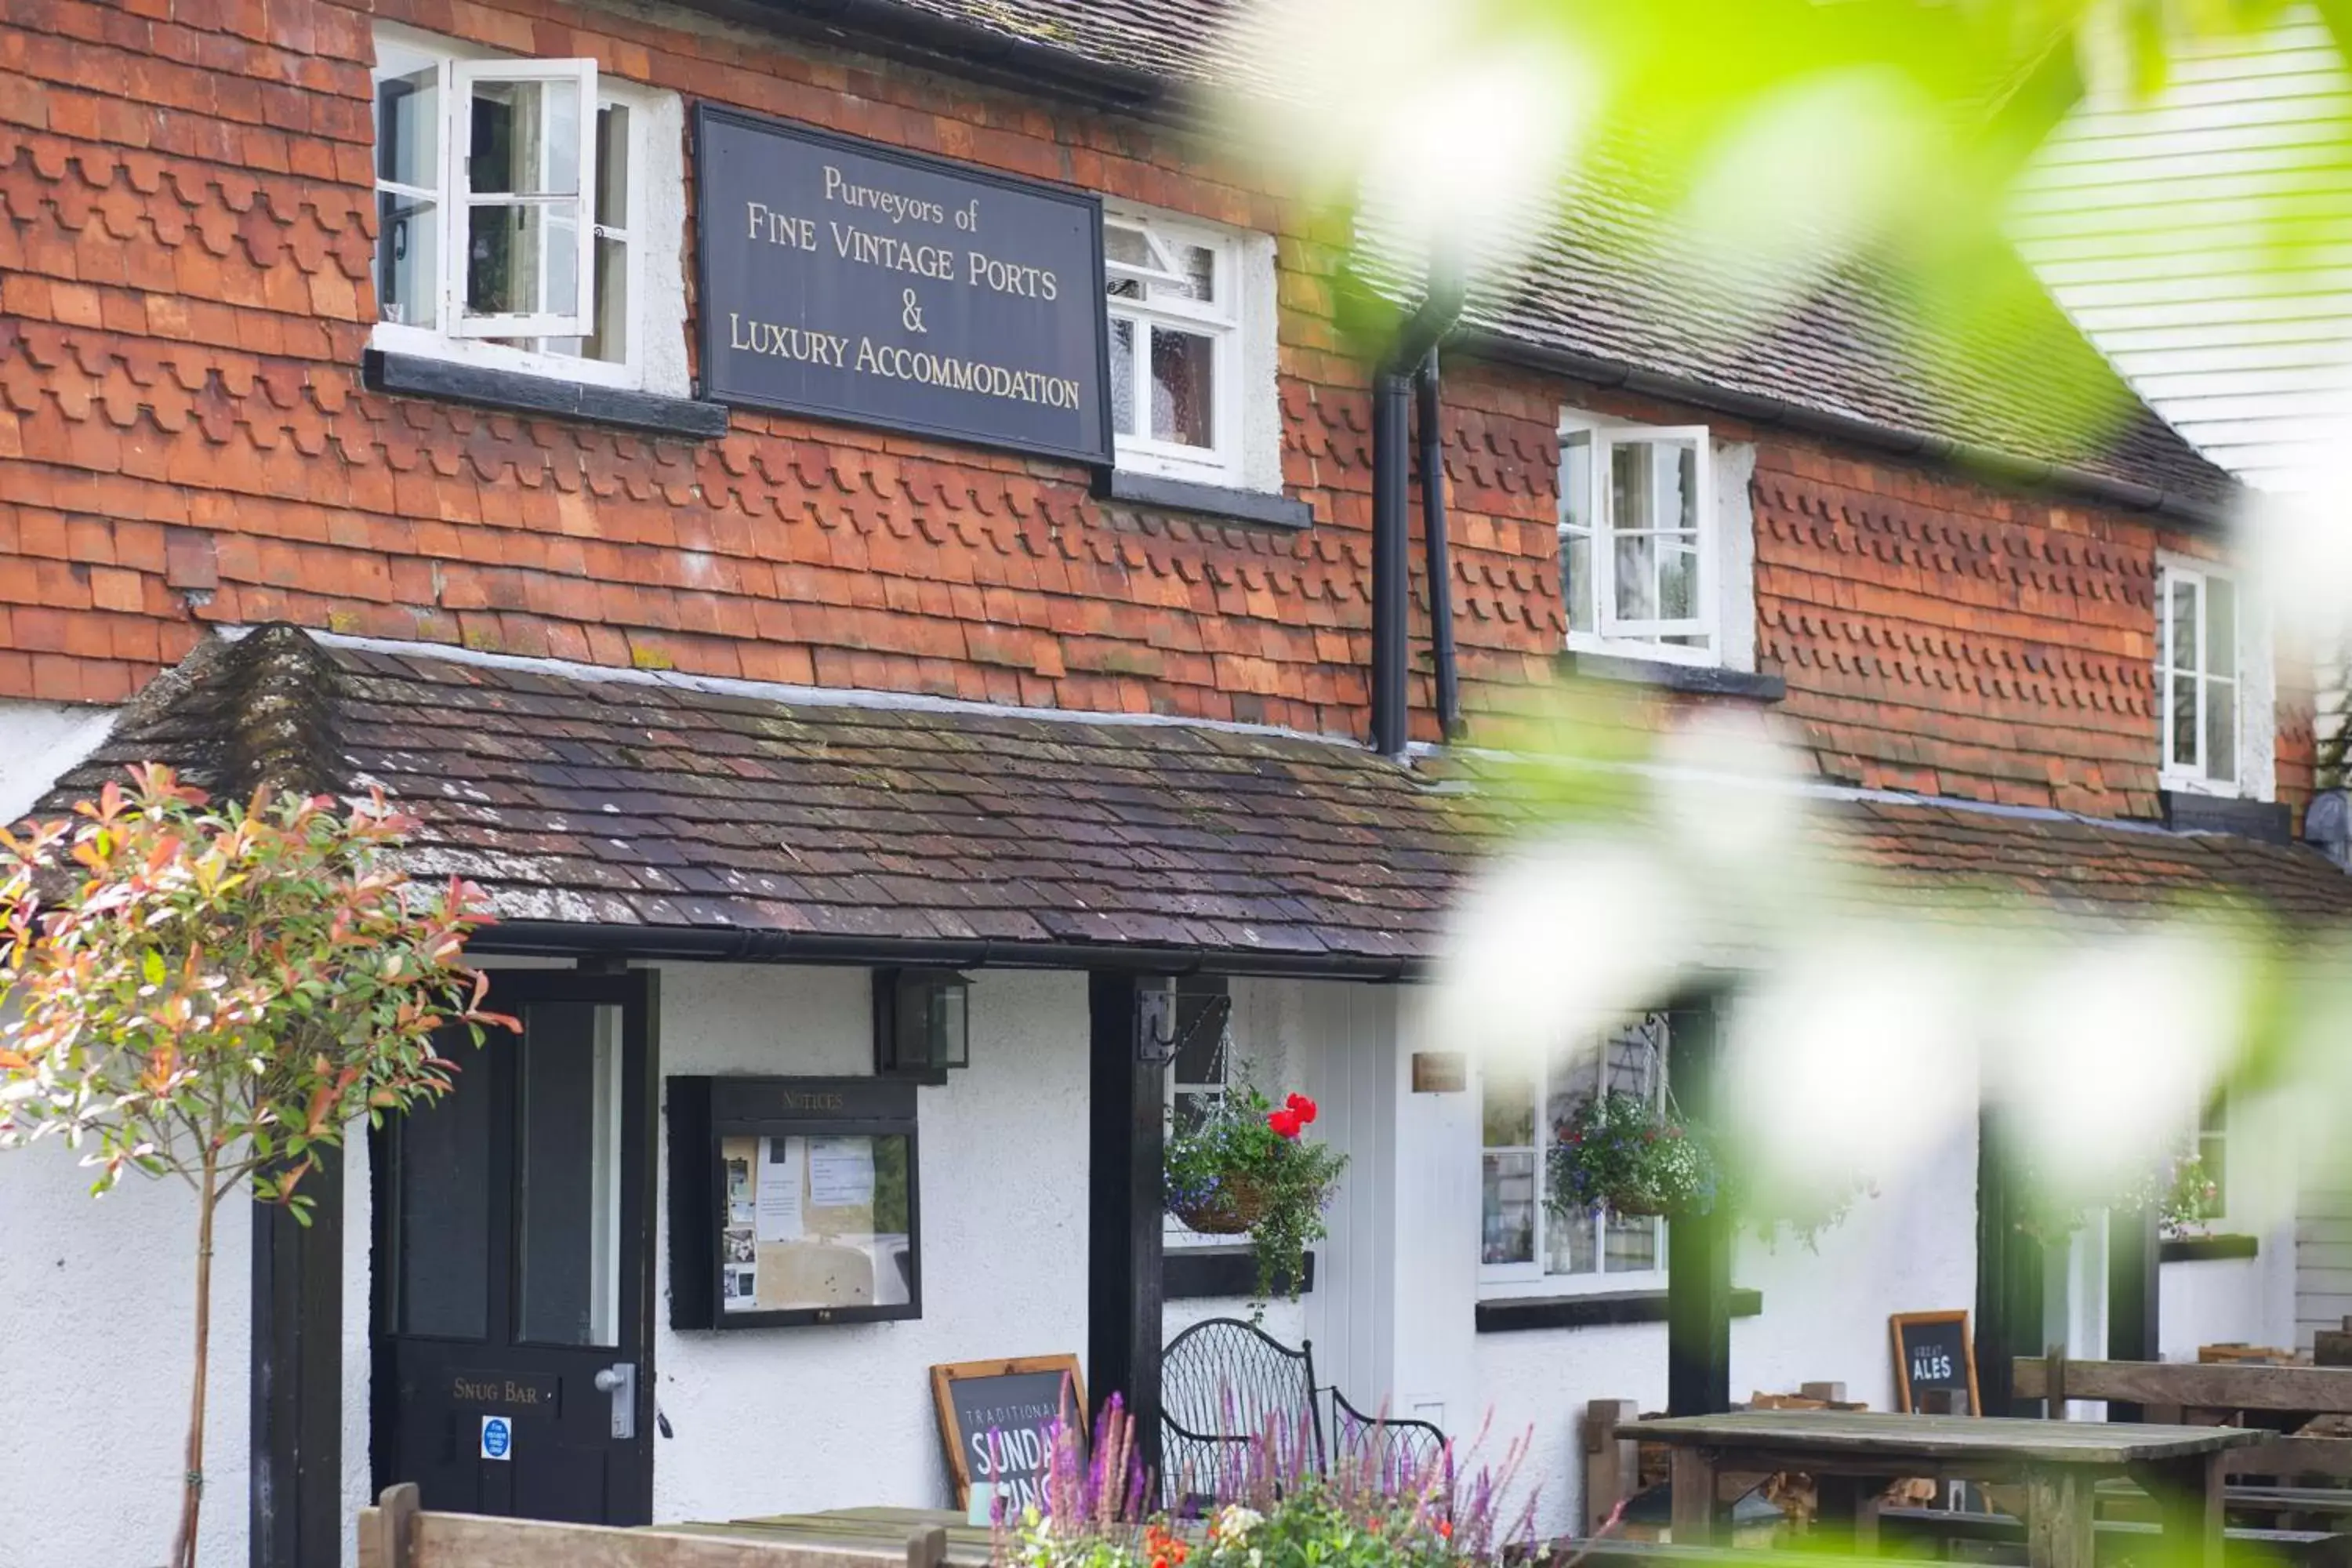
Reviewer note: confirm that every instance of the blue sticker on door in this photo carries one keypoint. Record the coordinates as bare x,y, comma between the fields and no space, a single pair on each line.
498,1437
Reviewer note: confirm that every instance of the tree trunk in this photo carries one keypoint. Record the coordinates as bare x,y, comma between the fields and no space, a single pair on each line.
183,1543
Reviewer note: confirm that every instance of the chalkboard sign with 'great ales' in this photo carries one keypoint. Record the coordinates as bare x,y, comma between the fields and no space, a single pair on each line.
1933,1353
996,1419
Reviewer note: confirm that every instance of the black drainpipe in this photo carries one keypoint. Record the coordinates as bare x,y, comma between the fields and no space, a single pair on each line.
1391,540
1439,574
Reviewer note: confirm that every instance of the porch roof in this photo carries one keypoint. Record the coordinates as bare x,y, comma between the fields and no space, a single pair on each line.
676,814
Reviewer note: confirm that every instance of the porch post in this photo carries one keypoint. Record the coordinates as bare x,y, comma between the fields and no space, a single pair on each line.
295,1498
2134,1254
1698,1250
2009,1275
1125,1144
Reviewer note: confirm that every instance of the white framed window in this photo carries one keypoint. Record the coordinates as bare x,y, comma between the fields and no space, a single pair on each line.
2199,678
1525,1248
516,206
1204,1066
2212,1147
1642,555
1181,325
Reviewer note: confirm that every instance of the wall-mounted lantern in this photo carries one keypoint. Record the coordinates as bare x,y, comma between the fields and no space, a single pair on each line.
921,1023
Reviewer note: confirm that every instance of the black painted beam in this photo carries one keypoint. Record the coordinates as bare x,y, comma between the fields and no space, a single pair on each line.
1125,1140
1698,1249
2008,1275
295,1508
2135,1251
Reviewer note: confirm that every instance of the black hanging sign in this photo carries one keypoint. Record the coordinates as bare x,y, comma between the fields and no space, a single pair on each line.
851,280
1933,1352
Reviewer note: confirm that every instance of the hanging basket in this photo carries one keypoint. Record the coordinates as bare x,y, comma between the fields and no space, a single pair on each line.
1236,1206
1636,1206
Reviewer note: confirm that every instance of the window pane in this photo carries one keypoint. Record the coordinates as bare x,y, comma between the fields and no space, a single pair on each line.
1576,523
568,1175
2183,649
1128,246
1677,578
1122,375
1510,1107
2221,627
613,166
1569,1245
610,340
1508,1219
1200,274
1632,1245
522,261
525,139
1576,578
1654,484
2220,731
1182,367
408,129
2184,722
1634,565
407,259
444,1207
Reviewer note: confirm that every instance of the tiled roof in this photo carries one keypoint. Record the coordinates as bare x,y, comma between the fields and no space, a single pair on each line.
1608,283
665,804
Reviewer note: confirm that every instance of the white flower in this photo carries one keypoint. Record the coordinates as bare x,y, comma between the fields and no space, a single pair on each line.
1234,1524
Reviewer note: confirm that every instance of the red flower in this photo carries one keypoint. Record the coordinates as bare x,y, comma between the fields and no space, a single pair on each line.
1301,1106
1446,1530
1285,1122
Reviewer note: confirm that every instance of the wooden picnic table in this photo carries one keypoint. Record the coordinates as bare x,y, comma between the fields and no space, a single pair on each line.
857,1529
1853,1455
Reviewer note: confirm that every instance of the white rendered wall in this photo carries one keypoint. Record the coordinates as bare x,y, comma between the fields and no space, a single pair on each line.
770,1420
39,741
1911,1248
96,1295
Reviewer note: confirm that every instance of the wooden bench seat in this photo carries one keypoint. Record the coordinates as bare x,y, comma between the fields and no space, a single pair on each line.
1930,1530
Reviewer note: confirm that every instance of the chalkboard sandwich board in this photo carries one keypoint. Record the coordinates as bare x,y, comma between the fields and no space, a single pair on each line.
1934,1354
996,1419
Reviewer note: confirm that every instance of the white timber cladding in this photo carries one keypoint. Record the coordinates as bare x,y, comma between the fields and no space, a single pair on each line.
2154,223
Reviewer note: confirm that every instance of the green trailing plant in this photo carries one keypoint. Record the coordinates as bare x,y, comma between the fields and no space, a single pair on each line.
2180,1190
215,993
1246,1167
1622,1152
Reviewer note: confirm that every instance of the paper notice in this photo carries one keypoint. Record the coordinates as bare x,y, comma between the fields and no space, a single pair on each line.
840,1173
777,1213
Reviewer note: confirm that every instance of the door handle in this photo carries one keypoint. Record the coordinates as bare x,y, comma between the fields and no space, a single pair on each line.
620,1381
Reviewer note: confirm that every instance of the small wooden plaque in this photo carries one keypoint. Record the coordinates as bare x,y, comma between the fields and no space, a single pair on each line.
1439,1072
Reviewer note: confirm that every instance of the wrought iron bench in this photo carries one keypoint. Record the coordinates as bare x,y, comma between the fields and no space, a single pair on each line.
1236,1402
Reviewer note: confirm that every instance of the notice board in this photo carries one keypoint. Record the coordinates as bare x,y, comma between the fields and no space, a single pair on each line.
996,1421
853,280
1934,1350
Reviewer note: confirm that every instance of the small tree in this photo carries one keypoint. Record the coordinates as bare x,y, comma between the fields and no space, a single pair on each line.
215,993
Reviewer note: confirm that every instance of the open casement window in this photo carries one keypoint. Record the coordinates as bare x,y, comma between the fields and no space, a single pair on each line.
1175,320
2197,674
1525,1248
1637,547
523,168
1200,1071
508,197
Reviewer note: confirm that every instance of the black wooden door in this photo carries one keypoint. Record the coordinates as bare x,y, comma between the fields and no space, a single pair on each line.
513,1264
